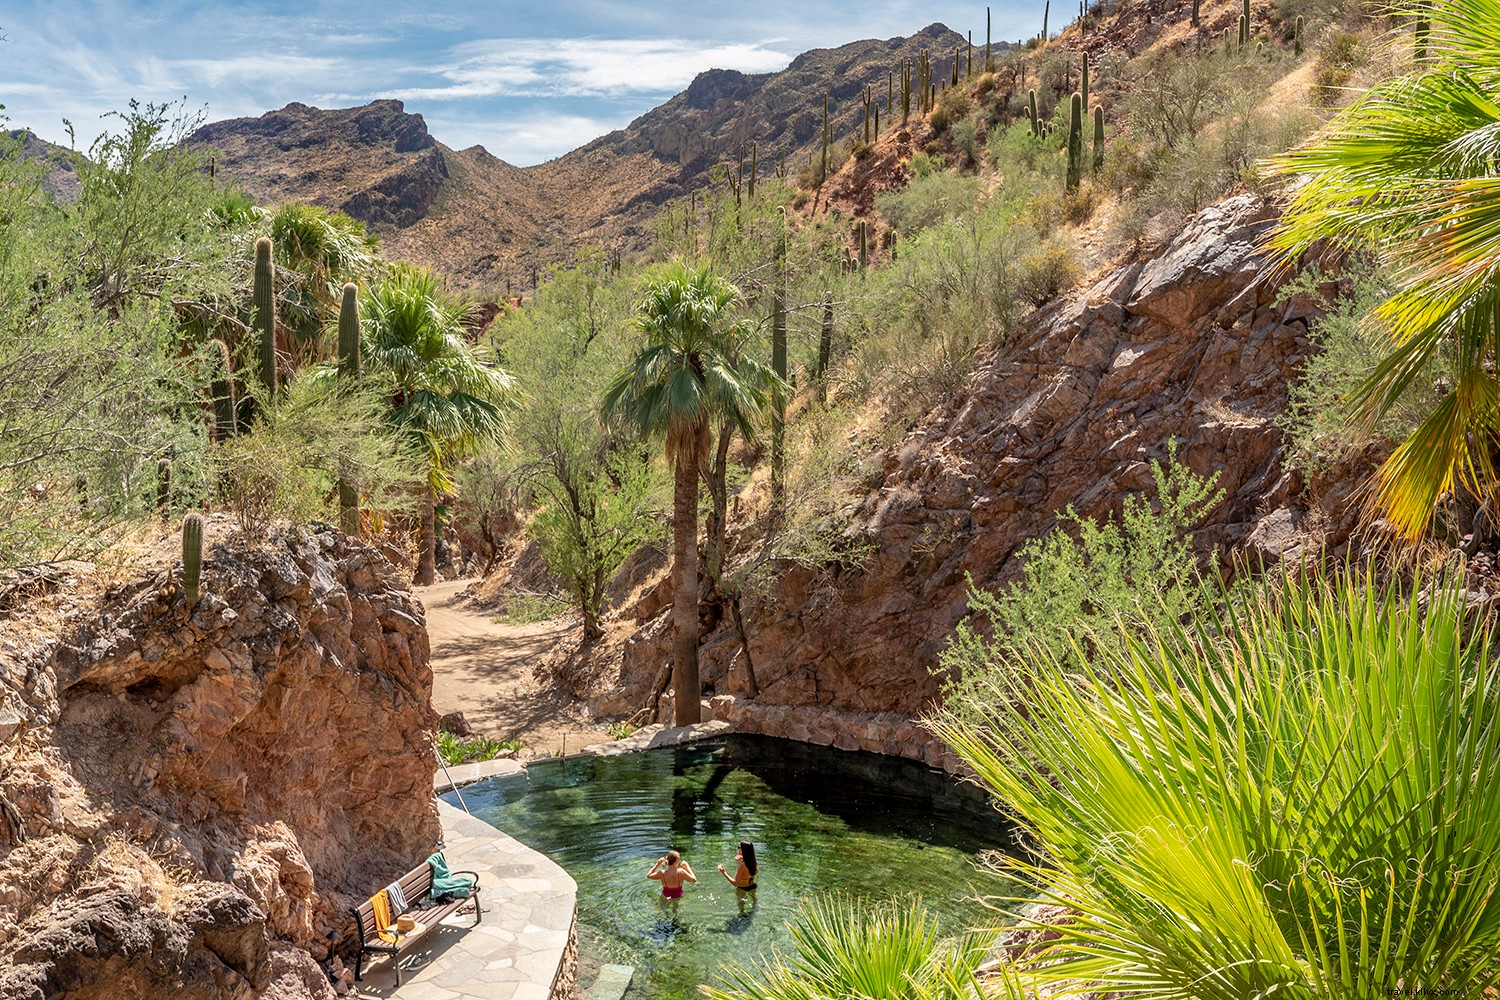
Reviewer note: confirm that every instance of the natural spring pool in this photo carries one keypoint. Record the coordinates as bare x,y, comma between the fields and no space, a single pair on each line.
822,820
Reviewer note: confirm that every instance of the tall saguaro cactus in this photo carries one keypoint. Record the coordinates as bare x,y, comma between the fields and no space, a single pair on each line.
1098,139
987,65
1036,123
1046,13
1075,142
1245,24
192,557
1084,88
264,319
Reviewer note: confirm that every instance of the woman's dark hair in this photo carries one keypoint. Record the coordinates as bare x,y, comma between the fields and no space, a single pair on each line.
747,854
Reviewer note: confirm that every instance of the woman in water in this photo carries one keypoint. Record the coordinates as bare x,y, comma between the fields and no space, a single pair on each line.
671,871
744,876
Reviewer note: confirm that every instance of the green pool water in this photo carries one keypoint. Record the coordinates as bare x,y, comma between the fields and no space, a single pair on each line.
822,820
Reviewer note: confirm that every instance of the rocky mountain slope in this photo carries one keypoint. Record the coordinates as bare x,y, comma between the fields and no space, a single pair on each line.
1192,347
478,218
60,179
188,799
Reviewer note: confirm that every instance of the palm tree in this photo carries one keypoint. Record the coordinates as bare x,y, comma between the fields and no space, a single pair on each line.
442,392
323,250
1409,172
684,380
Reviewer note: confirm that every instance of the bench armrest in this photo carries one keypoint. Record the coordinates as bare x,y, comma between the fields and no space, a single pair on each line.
472,875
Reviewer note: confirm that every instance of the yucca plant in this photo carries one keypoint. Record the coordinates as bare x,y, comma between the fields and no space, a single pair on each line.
843,947
1293,798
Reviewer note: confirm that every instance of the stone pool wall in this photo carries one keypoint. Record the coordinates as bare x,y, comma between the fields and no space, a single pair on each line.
894,734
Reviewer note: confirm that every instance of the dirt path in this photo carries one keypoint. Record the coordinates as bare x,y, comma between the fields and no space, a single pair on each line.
485,670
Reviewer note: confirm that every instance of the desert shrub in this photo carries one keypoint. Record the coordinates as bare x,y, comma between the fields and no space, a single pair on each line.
1140,570
922,164
1292,796
1340,56
525,608
1349,347
287,466
965,135
953,105
927,200
861,150
1048,271
1174,95
1132,164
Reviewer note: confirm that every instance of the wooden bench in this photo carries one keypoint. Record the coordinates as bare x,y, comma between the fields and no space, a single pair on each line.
415,886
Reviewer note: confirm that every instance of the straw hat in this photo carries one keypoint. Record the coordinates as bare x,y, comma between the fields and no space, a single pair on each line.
406,923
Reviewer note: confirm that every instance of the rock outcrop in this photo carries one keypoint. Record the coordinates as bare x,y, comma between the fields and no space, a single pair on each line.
1191,350
195,797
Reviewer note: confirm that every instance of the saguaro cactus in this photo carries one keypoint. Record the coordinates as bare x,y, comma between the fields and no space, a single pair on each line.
1197,10
987,65
192,556
1245,24
164,486
1075,142
1084,87
349,361
264,320
1098,139
1046,13
1036,123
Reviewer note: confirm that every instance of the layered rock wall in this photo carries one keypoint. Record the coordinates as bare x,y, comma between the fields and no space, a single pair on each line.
198,796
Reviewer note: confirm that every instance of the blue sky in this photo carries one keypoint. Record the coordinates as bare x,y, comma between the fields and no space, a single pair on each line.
528,81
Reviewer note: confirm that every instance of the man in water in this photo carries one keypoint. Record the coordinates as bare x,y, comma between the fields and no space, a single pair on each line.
671,871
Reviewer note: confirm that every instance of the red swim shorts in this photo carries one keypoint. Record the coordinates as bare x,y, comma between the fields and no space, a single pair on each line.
672,893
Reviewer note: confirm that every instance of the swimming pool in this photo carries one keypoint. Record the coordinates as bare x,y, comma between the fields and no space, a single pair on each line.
822,820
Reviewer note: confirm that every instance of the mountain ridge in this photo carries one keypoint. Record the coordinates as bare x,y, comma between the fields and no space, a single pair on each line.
482,220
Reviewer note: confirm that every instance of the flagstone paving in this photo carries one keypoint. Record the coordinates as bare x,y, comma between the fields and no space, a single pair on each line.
523,949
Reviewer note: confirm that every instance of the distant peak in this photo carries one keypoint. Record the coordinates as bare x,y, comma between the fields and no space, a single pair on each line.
714,85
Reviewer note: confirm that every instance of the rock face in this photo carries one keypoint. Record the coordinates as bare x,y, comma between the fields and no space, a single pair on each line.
1194,347
375,163
199,796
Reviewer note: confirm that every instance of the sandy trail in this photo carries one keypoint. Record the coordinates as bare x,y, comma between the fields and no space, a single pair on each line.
485,670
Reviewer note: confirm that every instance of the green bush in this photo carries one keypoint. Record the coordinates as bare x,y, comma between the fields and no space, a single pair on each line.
1047,272
455,750
1140,571
927,200
1340,56
522,608
1348,349
1295,797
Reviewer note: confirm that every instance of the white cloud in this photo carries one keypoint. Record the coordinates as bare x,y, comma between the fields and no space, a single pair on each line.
583,67
522,141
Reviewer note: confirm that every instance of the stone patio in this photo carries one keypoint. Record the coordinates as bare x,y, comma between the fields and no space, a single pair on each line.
525,948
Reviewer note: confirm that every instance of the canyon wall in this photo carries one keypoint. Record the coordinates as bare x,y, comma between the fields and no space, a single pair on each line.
194,798
1192,349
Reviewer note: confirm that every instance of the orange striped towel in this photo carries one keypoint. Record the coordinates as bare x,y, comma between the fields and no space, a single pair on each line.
381,904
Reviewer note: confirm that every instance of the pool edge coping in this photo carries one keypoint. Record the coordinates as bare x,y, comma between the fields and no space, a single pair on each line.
647,738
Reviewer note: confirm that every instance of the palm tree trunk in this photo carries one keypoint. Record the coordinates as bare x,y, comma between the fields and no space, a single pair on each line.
685,686
427,558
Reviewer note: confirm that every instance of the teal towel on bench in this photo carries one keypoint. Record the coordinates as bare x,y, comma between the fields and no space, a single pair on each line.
445,884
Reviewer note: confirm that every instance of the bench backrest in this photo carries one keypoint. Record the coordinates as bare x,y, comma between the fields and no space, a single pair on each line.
415,885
